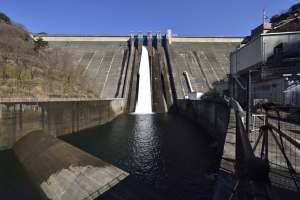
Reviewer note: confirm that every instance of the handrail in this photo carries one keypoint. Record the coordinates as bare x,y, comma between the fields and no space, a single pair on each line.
252,173
247,149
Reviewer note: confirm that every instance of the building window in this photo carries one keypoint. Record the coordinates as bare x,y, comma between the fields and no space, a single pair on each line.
257,88
266,87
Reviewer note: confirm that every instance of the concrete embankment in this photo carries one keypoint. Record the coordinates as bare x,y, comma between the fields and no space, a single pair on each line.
213,115
56,117
62,171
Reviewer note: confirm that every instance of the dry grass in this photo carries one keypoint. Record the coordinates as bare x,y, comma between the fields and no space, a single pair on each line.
37,88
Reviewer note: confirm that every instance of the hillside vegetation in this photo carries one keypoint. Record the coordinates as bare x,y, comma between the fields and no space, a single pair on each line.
29,68
292,13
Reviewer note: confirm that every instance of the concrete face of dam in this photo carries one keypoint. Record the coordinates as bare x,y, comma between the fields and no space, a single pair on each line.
112,63
206,62
104,62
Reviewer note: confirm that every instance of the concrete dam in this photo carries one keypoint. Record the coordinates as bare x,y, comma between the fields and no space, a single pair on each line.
113,61
62,168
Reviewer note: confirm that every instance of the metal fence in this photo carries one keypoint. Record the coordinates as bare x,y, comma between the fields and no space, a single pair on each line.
273,128
275,136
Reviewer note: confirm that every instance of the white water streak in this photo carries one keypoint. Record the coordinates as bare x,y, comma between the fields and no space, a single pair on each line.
143,104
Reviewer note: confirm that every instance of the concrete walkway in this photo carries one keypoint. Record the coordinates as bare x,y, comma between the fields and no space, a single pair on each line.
226,177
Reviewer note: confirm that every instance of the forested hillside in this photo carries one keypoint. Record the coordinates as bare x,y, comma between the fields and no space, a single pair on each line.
287,20
29,68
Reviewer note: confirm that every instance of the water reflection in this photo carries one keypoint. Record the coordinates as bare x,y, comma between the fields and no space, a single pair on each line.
167,151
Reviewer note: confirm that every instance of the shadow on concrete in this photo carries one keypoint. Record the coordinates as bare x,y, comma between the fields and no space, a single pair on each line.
298,132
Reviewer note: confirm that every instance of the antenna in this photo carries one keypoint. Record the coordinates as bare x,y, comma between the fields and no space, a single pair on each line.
264,10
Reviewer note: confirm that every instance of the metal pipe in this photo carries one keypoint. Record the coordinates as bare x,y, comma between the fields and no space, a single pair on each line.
189,85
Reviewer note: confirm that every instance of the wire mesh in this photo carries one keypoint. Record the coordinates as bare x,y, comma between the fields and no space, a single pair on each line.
283,89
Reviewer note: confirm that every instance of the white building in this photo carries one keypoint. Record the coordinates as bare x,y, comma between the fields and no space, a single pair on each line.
254,56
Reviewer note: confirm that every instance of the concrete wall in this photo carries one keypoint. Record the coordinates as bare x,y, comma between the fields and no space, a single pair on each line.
246,56
201,38
57,118
62,171
63,37
211,114
174,38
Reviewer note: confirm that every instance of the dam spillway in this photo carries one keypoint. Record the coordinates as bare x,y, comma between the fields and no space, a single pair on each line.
143,103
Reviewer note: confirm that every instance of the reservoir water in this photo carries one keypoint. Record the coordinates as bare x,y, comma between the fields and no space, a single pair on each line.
167,151
14,182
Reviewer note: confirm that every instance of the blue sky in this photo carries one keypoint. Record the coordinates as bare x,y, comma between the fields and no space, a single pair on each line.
184,17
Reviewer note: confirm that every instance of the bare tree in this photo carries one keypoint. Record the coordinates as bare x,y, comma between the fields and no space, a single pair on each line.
53,69
64,70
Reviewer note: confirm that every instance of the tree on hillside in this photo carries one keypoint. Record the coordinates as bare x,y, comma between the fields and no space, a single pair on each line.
63,69
40,44
4,55
5,18
273,18
295,8
25,36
